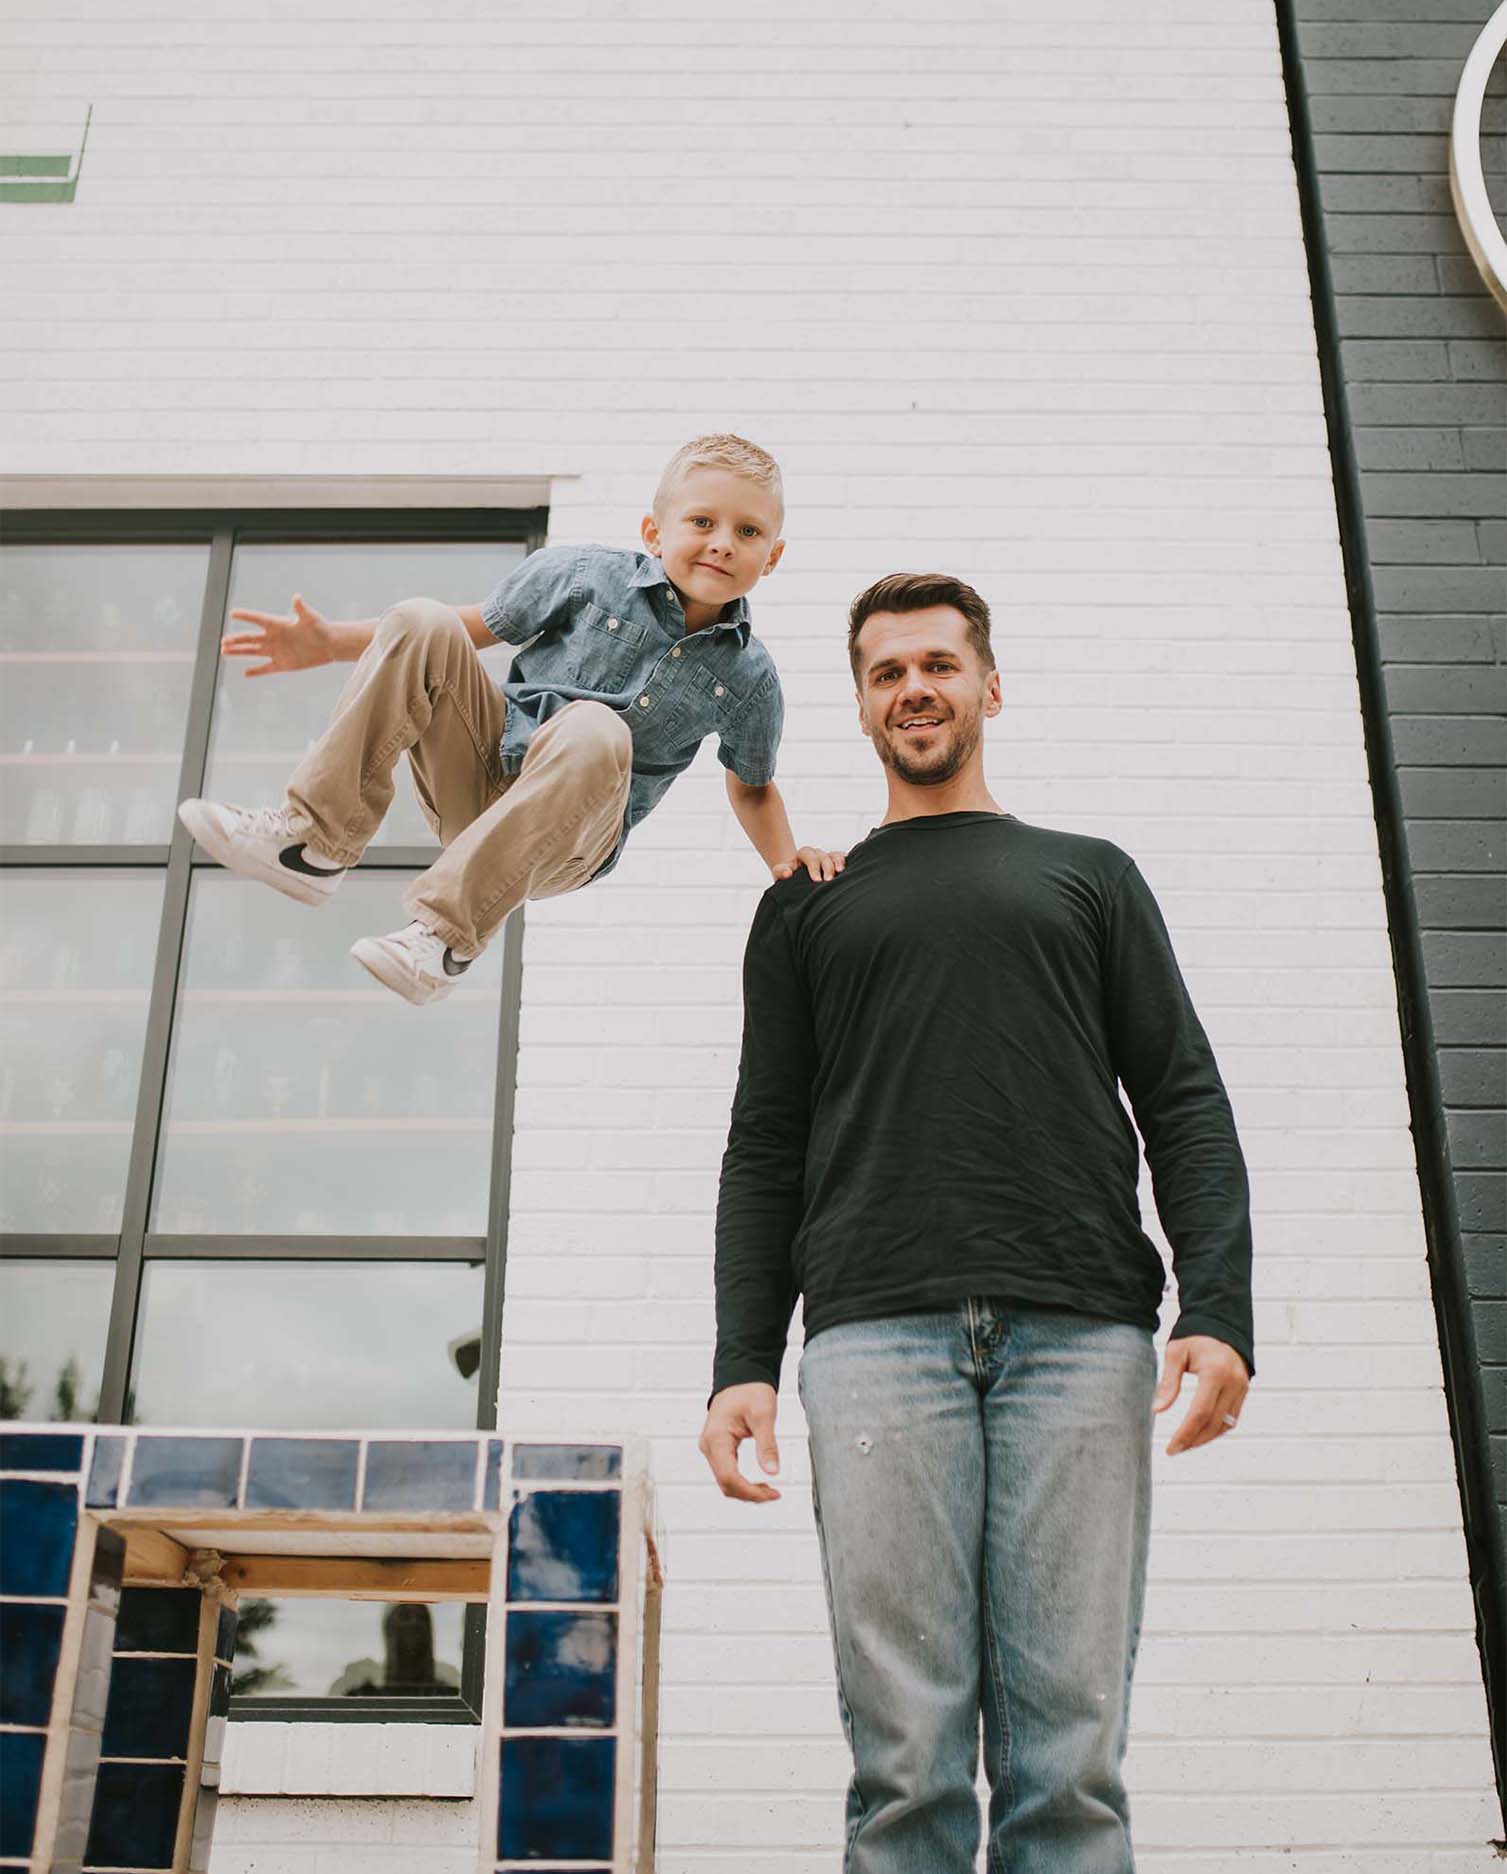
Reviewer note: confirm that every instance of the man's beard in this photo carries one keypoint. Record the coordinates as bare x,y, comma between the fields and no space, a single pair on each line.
924,771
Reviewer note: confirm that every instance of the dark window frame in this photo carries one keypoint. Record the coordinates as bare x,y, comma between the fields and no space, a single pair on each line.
222,531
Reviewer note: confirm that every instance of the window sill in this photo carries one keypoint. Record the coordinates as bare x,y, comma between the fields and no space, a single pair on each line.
313,1759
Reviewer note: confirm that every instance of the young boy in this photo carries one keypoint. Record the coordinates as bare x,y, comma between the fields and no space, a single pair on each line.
628,661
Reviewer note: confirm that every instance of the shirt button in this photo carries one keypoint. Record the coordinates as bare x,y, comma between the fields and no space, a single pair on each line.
717,691
643,702
676,651
612,624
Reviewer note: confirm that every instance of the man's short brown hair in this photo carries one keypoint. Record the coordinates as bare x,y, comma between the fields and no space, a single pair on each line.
915,592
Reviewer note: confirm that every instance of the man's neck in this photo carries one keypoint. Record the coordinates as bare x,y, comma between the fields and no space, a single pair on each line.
964,793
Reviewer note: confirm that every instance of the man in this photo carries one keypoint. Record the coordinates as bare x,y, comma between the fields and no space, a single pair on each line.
928,1143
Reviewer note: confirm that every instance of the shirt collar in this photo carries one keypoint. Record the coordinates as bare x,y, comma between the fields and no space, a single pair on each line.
736,615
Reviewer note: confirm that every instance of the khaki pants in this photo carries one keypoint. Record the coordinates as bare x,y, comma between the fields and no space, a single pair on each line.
420,686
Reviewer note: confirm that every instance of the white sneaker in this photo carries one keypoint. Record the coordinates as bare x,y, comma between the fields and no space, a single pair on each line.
413,962
259,843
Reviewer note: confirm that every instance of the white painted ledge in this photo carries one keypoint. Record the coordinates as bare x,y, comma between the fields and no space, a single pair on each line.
349,1760
200,492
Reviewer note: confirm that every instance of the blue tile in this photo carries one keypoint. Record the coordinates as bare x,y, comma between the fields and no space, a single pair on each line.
30,1639
36,1557
150,1704
581,1464
556,1798
20,1778
42,1451
491,1494
135,1820
302,1474
562,1546
561,1670
191,1471
225,1628
103,1488
158,1620
420,1474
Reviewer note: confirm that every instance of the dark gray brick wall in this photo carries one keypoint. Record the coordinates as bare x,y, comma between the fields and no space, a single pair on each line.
1421,354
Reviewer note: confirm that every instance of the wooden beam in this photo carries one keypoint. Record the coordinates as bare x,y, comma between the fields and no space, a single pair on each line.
153,1556
359,1578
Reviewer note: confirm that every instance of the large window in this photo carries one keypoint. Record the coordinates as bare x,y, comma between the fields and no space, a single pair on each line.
239,1181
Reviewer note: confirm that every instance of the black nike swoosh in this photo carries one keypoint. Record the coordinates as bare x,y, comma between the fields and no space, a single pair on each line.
292,859
454,965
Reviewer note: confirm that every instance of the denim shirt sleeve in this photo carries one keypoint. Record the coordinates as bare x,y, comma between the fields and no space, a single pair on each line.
534,596
750,742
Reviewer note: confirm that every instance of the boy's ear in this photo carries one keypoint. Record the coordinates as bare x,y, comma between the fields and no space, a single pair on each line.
648,529
777,553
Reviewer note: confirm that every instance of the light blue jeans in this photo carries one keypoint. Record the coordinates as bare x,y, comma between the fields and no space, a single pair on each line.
983,1491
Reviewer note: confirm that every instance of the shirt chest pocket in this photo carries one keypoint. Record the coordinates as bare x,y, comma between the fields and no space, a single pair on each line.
718,697
606,652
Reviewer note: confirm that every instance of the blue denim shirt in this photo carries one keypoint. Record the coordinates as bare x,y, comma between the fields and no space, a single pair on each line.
606,624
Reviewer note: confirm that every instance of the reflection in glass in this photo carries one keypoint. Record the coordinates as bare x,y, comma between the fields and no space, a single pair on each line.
76,957
53,1316
304,1098
96,662
262,728
347,1649
306,1345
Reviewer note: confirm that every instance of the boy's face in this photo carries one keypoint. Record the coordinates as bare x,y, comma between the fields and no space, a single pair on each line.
717,534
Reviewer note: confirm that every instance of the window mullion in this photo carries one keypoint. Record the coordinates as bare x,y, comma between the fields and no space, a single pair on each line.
154,1064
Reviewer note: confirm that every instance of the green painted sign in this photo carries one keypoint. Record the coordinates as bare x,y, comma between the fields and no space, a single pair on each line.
43,178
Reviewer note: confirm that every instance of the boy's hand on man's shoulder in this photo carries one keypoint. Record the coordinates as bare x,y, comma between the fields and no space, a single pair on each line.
820,864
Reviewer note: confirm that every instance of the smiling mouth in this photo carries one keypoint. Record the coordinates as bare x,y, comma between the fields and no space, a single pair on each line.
919,725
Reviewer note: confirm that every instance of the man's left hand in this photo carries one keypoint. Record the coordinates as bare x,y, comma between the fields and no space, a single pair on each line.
821,865
1222,1385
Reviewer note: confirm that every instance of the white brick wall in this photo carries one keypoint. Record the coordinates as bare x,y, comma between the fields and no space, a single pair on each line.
1011,287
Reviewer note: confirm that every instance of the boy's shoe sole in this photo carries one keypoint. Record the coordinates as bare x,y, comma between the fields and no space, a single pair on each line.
394,972
308,886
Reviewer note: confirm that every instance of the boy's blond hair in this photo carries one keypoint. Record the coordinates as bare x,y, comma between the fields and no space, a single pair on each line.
736,454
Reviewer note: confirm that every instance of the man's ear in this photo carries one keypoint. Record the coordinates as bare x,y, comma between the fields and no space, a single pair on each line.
863,714
994,702
777,553
648,529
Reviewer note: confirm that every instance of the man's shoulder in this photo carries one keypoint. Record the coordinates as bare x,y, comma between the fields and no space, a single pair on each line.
1087,852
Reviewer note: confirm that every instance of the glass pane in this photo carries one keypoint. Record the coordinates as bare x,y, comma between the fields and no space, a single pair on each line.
96,662
53,1317
307,1345
262,728
76,956
305,1098
347,1649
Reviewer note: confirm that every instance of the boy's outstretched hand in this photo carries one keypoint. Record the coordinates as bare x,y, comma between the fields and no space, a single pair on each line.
293,641
820,864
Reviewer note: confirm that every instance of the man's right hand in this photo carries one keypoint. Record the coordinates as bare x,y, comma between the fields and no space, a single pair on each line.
294,641
736,1413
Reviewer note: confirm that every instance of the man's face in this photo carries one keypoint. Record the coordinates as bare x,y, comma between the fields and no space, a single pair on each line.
717,534
923,693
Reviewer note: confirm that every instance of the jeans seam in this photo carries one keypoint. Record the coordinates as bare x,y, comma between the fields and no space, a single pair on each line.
845,1710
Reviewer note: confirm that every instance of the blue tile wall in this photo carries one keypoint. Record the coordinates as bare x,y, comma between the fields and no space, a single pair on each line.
151,1702
135,1821
20,1776
556,1798
42,1451
303,1474
39,1519
420,1474
198,1472
562,1546
569,1463
561,1669
102,1492
158,1620
31,1637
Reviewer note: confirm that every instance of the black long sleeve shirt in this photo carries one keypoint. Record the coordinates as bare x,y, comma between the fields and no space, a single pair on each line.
928,1108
